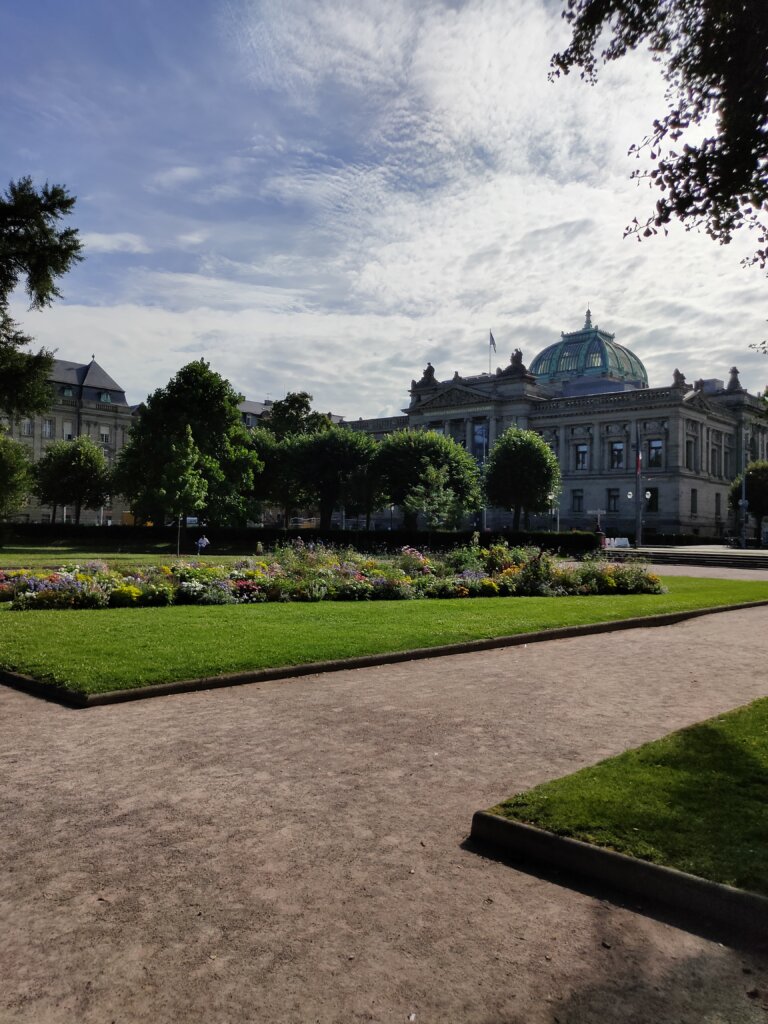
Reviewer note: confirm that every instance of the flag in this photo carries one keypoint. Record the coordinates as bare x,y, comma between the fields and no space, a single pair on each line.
492,342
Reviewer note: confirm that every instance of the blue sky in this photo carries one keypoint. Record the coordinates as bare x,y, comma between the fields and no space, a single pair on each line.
322,195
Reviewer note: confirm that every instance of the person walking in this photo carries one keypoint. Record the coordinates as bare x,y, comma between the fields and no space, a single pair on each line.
201,544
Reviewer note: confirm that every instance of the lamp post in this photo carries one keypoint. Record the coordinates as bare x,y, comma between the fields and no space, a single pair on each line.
743,499
554,506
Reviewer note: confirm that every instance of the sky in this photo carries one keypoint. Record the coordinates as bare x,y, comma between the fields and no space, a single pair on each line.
323,195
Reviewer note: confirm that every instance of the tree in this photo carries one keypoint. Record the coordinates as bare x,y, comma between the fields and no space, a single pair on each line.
72,473
183,488
200,399
756,491
330,462
714,55
15,476
293,415
434,499
522,471
35,250
404,457
280,482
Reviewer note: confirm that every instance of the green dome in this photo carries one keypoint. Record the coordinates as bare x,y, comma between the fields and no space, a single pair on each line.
589,353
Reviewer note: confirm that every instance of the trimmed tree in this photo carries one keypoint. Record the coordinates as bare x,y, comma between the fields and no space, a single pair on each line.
403,459
330,463
522,472
72,473
280,483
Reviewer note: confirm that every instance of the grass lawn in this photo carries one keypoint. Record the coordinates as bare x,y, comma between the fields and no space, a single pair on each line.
97,651
696,800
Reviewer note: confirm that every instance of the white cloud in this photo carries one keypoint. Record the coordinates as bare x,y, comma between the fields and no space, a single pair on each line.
121,241
404,178
173,176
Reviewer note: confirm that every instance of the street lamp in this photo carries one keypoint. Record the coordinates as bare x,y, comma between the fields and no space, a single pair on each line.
743,499
554,506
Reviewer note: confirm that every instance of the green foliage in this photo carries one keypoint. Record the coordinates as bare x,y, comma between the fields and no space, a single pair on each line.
72,473
15,476
331,464
521,471
35,250
714,56
183,488
404,458
280,482
200,400
434,499
756,491
293,415
694,800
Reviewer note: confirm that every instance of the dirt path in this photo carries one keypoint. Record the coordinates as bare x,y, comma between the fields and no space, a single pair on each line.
293,851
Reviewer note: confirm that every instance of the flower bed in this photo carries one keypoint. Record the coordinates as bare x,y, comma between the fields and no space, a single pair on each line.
301,572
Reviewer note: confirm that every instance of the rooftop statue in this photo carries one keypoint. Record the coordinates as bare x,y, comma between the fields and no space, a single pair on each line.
427,378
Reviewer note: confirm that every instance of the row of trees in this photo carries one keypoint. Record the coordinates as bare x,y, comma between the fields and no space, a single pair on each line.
190,453
70,473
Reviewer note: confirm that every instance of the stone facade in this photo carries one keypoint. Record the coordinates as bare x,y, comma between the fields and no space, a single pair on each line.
86,401
592,404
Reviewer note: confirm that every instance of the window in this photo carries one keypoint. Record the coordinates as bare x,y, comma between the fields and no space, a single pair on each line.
577,501
104,434
67,392
612,499
652,501
655,454
67,430
480,439
617,455
718,508
26,427
105,397
690,453
694,501
582,456
48,428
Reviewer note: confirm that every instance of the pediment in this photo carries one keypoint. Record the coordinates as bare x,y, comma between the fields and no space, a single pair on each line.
695,400
454,396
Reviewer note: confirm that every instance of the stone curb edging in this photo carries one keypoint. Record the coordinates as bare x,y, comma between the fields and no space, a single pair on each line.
74,699
723,904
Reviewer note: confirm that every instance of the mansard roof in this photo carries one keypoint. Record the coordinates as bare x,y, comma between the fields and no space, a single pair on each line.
89,376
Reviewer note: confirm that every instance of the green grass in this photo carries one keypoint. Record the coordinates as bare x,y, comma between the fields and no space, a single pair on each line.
97,651
696,800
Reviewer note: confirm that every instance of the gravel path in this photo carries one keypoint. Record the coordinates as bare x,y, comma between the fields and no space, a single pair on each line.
292,852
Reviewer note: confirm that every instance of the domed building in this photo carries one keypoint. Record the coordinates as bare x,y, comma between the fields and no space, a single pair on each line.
628,453
589,362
